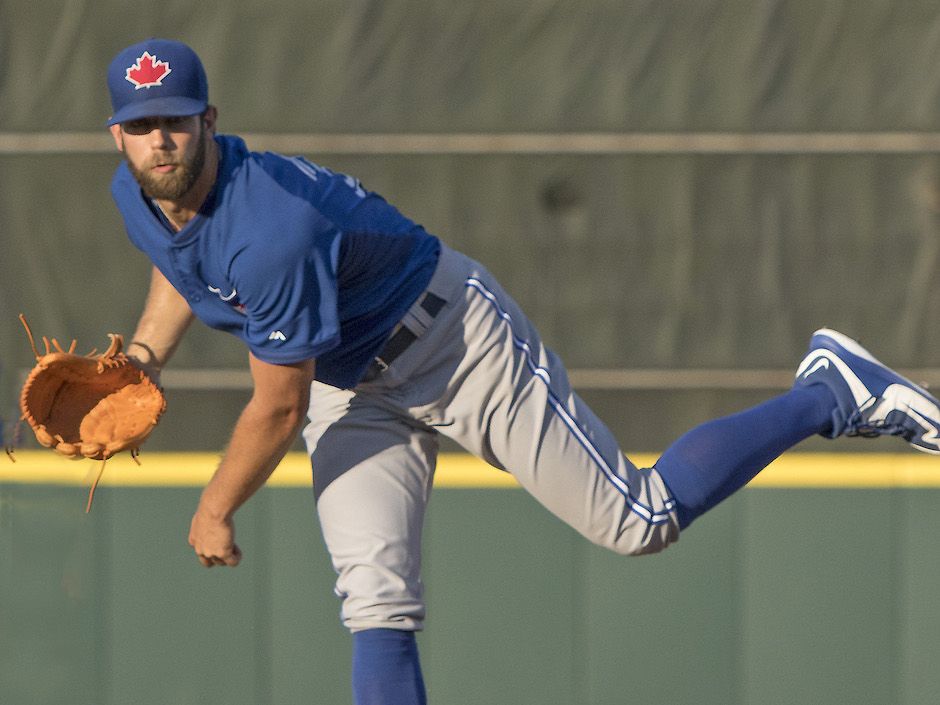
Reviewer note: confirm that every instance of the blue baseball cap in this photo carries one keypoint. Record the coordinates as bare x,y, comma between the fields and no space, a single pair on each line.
156,78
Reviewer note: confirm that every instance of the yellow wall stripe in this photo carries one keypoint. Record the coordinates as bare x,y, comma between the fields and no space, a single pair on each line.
871,470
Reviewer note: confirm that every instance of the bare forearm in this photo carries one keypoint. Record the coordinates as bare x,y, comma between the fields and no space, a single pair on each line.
262,435
260,439
165,318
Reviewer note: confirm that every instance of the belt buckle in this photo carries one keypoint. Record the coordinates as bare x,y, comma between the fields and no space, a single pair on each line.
379,362
382,365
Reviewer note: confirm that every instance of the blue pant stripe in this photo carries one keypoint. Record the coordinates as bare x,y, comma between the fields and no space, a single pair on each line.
644,511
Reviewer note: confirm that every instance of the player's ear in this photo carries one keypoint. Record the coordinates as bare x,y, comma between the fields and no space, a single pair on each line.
118,137
209,118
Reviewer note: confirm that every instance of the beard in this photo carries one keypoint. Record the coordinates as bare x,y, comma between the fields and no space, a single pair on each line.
176,184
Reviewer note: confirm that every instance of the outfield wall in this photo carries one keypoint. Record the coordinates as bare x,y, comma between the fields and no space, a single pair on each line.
819,584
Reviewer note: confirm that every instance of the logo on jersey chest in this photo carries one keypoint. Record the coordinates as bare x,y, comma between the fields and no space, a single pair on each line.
228,298
231,299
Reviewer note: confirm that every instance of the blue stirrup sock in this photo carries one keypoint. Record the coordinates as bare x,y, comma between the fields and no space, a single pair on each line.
386,669
714,460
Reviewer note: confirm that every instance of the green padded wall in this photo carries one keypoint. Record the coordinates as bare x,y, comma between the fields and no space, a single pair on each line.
778,596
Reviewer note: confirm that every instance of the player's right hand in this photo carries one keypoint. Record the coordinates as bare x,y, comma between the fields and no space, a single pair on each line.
213,540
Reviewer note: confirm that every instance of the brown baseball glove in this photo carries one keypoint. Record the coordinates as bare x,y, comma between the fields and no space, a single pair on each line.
90,406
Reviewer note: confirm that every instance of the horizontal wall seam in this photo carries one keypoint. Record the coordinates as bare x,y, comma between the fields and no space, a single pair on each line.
595,379
12,143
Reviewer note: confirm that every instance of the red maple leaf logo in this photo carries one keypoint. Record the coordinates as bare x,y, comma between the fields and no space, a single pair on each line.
147,71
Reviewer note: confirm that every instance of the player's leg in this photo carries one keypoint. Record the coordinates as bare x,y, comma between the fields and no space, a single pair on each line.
372,478
510,402
479,374
712,461
492,386
840,390
386,669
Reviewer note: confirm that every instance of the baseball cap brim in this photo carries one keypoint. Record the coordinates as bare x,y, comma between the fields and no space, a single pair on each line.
170,106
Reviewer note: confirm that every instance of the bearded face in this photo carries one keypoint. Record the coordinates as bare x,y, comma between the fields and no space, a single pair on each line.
168,176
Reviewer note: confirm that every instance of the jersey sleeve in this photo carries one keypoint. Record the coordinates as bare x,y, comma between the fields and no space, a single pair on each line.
289,294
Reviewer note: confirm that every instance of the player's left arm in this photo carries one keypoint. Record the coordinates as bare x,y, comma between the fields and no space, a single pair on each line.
263,434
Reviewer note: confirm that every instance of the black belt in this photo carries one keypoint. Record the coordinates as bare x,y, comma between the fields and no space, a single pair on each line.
403,337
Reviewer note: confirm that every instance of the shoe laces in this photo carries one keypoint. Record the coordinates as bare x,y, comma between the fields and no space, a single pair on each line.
866,430
858,425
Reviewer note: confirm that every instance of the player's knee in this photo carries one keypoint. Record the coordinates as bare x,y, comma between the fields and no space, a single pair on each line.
642,539
637,549
377,599
648,549
646,527
370,613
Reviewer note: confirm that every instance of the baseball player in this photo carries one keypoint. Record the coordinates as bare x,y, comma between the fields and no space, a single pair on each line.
383,337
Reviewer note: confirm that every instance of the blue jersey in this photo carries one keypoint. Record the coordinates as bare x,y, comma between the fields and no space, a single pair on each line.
297,261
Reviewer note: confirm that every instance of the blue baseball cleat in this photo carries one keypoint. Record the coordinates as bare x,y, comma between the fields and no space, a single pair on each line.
872,399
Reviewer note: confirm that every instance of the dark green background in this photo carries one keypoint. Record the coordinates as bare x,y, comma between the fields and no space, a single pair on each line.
623,261
777,597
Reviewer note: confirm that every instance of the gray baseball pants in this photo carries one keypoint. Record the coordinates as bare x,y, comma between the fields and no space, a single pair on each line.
478,373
